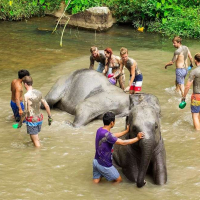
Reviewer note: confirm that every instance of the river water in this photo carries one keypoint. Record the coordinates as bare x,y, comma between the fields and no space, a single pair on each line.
62,167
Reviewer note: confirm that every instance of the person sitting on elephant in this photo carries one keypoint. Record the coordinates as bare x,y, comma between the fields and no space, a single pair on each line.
102,163
195,98
113,63
136,78
98,56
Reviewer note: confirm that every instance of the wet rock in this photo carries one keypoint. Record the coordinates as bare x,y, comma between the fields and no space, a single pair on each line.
95,18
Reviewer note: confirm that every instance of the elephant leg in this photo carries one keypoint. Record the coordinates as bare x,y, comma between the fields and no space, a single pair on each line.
160,169
89,110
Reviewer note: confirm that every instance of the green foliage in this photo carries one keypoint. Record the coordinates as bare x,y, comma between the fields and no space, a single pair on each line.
19,9
169,17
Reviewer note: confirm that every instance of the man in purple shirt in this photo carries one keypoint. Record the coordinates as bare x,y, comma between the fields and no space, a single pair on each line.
102,163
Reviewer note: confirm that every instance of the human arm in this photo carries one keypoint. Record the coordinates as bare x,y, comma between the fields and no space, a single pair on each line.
190,57
91,63
18,93
46,105
25,111
187,87
172,61
106,67
132,74
120,69
121,133
140,135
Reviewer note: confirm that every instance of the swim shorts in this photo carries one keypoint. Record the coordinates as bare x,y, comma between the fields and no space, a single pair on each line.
15,110
195,103
180,75
34,128
110,173
137,83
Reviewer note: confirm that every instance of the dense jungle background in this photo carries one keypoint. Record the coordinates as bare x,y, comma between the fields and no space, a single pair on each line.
168,17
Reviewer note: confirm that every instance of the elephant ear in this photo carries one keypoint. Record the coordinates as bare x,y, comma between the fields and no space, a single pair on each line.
95,91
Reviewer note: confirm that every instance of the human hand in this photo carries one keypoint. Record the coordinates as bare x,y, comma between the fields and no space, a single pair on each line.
19,124
20,111
140,135
127,89
50,120
127,128
183,99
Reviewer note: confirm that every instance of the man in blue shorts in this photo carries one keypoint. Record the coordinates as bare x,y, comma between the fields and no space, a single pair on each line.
102,163
16,102
34,118
195,98
180,57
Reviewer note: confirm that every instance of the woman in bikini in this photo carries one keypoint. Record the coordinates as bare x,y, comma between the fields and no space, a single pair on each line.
113,62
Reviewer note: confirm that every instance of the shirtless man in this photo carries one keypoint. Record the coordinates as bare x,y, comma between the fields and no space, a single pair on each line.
180,57
16,102
195,98
136,78
34,118
98,56
113,63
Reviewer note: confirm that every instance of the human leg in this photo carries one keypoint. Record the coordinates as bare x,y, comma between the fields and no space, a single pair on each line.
33,131
100,67
96,174
195,109
35,140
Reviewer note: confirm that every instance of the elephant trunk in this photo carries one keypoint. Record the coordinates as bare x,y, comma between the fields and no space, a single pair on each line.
147,150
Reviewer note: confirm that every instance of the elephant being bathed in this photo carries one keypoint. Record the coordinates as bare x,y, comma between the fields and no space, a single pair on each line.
147,155
88,94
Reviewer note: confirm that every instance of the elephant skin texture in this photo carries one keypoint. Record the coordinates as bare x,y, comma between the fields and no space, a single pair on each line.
147,155
87,94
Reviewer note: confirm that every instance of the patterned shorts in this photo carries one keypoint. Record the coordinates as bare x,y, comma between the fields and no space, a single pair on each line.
33,130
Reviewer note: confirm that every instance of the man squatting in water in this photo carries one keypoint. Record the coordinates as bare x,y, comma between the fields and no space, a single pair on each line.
195,98
102,163
136,78
16,102
113,63
34,118
180,57
98,56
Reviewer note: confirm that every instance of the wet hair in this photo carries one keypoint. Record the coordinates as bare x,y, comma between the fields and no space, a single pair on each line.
109,50
197,57
123,51
28,80
22,73
108,118
177,39
93,49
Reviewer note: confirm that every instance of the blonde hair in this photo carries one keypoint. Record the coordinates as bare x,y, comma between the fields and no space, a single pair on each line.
93,49
123,51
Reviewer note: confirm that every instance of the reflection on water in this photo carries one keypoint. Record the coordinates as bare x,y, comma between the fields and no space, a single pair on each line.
62,168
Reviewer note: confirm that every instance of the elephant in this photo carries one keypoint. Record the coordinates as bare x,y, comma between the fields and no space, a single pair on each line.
148,154
87,94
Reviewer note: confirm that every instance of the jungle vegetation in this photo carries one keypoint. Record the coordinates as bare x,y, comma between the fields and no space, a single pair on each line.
168,17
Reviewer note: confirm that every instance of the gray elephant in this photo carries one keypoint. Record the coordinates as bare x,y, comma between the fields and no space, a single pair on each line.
149,153
87,94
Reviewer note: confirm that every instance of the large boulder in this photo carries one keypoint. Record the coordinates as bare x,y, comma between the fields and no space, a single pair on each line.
95,18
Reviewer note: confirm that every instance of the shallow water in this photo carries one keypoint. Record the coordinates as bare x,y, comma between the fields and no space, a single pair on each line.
62,168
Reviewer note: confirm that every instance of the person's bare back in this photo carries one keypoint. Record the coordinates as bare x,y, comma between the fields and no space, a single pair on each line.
16,90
